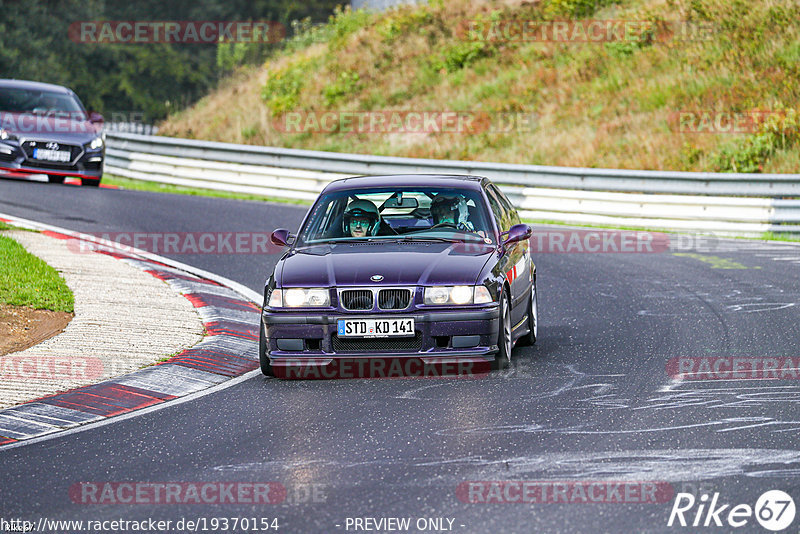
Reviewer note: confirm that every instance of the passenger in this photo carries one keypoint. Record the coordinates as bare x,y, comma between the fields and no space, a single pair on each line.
451,211
361,219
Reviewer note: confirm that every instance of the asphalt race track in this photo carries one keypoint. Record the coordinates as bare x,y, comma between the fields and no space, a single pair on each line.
593,400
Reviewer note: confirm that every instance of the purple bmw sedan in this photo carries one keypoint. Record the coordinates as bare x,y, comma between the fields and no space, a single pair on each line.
396,275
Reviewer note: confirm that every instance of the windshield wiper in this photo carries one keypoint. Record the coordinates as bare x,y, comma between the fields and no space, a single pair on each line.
409,238
341,240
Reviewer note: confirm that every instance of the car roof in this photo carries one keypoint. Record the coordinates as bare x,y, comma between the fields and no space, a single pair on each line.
414,180
33,86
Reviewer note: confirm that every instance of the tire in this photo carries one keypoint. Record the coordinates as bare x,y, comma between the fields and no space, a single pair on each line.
266,366
533,319
503,355
90,183
54,179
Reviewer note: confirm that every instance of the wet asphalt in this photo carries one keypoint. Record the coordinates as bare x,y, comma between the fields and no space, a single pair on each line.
592,401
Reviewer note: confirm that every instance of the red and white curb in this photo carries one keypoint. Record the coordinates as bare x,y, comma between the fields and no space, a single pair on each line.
229,350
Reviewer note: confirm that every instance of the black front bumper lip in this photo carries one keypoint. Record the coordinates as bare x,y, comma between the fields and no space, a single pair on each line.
451,355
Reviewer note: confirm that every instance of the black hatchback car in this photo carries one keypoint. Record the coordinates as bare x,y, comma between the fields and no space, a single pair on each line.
44,129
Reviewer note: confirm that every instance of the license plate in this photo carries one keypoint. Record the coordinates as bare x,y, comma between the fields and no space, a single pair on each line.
398,327
52,155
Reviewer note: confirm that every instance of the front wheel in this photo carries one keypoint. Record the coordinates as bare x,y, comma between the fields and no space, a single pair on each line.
266,366
503,356
55,179
90,183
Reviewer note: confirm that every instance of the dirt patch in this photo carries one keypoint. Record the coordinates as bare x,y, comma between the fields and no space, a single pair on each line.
22,327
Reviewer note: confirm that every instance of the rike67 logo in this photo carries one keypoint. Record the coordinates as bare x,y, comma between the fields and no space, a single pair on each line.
774,510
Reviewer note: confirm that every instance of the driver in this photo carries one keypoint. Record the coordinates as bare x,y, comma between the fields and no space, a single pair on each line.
49,102
451,210
361,219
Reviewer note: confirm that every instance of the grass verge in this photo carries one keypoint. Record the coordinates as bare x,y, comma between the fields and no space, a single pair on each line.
774,236
142,185
26,280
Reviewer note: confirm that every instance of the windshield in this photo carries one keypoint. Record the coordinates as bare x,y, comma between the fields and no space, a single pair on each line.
45,103
398,213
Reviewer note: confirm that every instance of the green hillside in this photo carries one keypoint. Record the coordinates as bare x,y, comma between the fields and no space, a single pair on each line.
666,86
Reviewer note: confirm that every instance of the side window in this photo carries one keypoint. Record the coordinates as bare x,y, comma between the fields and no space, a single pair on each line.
504,217
507,206
497,208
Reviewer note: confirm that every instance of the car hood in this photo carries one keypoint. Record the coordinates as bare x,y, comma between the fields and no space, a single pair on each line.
59,129
400,264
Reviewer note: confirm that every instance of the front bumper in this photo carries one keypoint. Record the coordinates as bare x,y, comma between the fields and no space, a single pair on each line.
443,337
16,163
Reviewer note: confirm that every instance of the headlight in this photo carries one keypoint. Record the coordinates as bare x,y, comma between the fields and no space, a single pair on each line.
96,143
299,298
458,295
5,135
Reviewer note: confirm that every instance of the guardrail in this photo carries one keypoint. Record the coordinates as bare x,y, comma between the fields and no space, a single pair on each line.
736,204
130,127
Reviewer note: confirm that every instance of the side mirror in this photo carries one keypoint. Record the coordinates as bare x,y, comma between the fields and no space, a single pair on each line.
517,233
96,118
280,237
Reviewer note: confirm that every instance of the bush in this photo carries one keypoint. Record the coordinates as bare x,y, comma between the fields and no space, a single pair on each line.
402,22
233,55
282,90
347,84
249,133
305,33
574,8
461,54
779,132
345,22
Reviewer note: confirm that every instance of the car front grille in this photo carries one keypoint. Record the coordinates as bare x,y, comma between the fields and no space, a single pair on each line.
357,299
396,344
75,152
55,165
394,299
